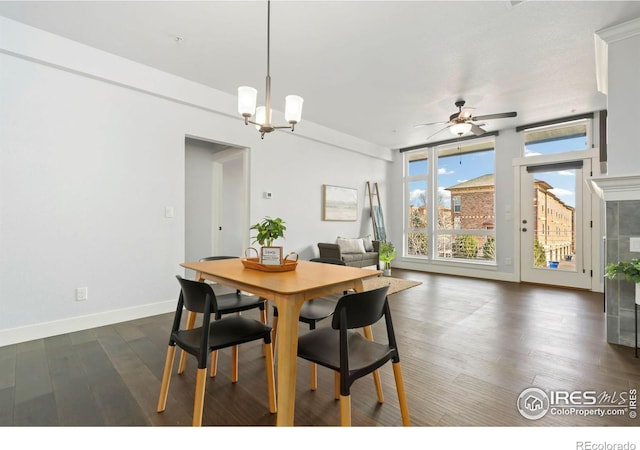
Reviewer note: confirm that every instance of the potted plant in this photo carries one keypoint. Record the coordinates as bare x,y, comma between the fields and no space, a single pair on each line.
267,231
387,254
627,270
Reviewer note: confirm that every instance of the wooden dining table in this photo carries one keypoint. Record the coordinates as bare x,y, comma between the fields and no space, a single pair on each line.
288,290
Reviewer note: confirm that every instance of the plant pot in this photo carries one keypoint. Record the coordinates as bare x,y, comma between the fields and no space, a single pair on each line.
386,272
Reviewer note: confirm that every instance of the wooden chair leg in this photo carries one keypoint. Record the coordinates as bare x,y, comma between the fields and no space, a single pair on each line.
191,320
274,333
314,376
271,383
264,317
198,403
214,364
378,382
345,410
336,385
234,360
402,398
234,364
166,378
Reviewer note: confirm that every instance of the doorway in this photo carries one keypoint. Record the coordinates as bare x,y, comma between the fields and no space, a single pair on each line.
555,222
216,199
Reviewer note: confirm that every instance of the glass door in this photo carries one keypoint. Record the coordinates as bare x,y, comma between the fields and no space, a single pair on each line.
555,230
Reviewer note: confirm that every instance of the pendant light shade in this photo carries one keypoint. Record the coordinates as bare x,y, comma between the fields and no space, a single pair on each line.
293,108
247,97
261,117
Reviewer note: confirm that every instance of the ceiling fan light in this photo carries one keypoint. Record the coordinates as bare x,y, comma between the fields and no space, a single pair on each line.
293,108
247,100
460,128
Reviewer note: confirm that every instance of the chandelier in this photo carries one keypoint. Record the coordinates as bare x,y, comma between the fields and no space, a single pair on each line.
247,100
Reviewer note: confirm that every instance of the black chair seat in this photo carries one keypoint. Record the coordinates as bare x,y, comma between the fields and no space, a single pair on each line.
323,347
314,310
223,333
236,302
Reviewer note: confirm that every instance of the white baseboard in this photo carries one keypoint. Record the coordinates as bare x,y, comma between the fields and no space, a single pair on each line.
47,329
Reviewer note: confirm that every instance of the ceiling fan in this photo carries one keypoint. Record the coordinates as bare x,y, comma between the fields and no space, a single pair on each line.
461,122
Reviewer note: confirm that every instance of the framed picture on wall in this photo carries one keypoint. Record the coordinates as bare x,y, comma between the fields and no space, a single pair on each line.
339,203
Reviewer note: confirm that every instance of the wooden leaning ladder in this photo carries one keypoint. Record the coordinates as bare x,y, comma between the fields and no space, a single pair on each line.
379,233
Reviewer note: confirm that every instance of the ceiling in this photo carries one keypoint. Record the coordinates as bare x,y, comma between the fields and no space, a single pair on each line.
371,69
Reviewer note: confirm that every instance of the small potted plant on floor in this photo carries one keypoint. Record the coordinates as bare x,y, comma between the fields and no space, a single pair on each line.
627,270
267,231
387,254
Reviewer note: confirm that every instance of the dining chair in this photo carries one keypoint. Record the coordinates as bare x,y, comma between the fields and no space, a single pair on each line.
349,353
311,313
234,302
212,335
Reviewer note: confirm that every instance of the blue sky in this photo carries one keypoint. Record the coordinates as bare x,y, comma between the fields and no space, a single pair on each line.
458,168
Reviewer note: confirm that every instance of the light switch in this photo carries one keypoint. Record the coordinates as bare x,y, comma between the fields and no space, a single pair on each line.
634,244
169,212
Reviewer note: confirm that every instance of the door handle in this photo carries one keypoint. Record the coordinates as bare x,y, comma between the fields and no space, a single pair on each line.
524,229
524,221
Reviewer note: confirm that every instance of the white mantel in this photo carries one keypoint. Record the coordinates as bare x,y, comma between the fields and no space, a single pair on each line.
626,187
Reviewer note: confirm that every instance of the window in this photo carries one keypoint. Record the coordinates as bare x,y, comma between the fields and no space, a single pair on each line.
417,236
456,204
455,219
559,138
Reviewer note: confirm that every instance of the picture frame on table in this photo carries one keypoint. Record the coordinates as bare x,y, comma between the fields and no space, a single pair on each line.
271,256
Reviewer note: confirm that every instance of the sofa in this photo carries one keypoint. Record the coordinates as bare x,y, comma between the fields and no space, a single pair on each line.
355,252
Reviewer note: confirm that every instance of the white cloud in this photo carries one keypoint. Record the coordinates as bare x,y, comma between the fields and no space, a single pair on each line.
417,197
443,171
562,193
528,152
444,196
566,173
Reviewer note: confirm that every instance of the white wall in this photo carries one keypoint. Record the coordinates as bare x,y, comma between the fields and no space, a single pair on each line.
623,99
92,151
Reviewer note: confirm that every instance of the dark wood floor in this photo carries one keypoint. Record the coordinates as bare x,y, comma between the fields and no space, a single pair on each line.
468,349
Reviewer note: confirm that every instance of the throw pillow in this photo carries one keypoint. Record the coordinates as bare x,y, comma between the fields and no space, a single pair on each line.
368,245
350,245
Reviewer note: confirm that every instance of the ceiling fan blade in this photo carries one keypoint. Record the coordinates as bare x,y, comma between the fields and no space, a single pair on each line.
495,116
428,124
437,132
475,129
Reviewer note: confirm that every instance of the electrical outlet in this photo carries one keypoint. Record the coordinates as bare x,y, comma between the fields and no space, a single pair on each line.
634,244
507,261
82,294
